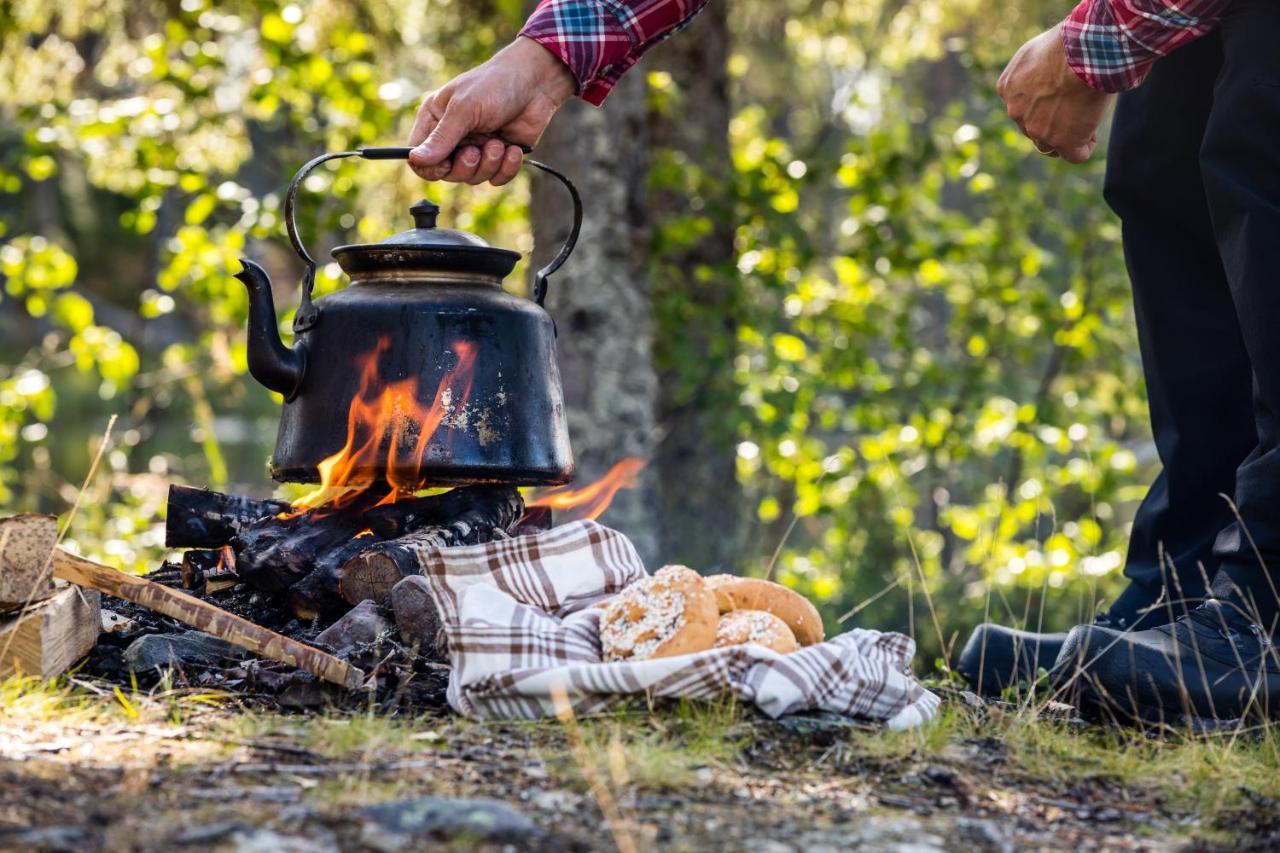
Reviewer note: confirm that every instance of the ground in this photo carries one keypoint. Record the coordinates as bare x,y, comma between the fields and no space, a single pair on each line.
87,766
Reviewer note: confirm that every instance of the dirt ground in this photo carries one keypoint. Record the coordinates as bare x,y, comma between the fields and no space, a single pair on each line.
97,768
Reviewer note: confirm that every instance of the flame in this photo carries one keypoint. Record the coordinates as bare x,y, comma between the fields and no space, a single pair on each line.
226,561
364,534
591,500
389,414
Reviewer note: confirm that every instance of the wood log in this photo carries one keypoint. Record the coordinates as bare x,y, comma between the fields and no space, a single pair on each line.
197,565
22,562
48,637
373,571
303,555
26,541
199,518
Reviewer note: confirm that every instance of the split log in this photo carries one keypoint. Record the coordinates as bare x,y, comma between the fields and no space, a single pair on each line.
199,518
197,564
28,561
47,638
375,570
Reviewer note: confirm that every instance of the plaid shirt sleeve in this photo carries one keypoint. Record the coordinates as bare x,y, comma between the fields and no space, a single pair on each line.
1112,44
601,39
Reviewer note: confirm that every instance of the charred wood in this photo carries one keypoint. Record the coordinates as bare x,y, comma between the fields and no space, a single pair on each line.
371,573
199,518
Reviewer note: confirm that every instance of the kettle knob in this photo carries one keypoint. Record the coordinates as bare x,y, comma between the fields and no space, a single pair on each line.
425,213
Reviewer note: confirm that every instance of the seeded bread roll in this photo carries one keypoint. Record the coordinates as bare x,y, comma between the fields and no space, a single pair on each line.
671,613
755,626
735,593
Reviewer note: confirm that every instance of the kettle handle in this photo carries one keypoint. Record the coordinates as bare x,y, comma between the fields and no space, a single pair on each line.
307,314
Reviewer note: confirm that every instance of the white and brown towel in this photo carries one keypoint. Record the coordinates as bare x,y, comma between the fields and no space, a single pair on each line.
519,619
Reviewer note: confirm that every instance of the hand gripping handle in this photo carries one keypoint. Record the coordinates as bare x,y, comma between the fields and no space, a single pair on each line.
307,314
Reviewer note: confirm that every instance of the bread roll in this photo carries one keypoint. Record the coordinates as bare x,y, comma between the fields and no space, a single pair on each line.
671,613
735,593
755,626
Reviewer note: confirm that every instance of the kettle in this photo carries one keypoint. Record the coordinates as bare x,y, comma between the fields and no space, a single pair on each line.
422,371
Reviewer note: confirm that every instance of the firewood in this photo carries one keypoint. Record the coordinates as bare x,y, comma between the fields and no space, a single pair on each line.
303,554
197,564
23,566
198,518
375,570
47,638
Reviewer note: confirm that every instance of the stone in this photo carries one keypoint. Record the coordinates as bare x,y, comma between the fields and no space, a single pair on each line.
361,629
408,824
417,618
183,650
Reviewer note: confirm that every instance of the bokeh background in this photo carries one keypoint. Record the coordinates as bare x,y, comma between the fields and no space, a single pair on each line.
857,326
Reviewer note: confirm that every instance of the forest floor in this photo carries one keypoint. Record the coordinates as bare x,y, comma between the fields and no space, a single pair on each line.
86,766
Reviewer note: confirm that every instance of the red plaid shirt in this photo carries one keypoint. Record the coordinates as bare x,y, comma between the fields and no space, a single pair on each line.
1112,44
600,39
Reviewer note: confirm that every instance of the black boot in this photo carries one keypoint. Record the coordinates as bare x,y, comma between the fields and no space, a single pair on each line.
998,657
1214,664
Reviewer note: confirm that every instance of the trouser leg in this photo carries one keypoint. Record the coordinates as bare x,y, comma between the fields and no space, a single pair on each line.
1194,359
1240,164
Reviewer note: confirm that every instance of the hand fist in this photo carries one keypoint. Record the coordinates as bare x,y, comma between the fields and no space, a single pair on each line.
1048,102
470,130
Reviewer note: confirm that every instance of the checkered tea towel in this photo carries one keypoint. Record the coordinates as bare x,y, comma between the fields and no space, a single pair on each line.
519,619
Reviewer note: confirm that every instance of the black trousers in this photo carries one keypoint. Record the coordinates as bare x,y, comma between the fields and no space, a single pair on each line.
1193,171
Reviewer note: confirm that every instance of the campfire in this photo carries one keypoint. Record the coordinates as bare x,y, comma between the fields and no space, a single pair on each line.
338,552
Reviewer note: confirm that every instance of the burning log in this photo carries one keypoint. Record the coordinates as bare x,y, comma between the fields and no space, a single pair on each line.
199,518
304,554
373,571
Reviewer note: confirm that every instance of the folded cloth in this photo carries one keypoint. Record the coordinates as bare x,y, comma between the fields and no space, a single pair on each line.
519,618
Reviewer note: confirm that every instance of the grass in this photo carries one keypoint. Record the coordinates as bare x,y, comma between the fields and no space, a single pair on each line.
1201,783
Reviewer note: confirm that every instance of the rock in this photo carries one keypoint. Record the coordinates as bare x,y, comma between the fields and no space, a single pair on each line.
114,623
417,618
187,649
361,629
821,727
407,824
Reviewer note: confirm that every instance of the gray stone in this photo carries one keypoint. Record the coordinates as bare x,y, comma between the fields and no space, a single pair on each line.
187,649
363,627
417,618
406,824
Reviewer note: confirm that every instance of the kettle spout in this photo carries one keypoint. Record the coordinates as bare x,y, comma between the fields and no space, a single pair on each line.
272,363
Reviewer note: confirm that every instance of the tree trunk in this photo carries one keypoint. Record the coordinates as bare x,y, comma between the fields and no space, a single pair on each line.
601,299
696,291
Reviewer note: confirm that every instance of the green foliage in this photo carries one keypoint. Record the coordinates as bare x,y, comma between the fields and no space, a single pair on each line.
935,371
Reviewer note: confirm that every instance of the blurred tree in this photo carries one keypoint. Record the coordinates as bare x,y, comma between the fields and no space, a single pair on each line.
695,288
601,300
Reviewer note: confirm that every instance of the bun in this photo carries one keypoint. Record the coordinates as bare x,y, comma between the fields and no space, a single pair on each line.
735,593
755,626
671,613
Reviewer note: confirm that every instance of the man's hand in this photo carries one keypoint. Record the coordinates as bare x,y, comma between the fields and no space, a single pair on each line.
1045,98
487,113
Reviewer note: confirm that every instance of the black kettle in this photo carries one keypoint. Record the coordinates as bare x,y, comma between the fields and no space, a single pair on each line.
423,371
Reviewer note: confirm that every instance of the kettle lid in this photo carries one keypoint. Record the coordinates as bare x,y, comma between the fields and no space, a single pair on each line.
426,248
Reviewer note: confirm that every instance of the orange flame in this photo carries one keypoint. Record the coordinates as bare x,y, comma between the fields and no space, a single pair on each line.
389,415
591,500
226,561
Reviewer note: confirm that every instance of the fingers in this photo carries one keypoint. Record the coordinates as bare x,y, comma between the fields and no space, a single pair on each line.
443,137
1080,153
491,157
511,162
